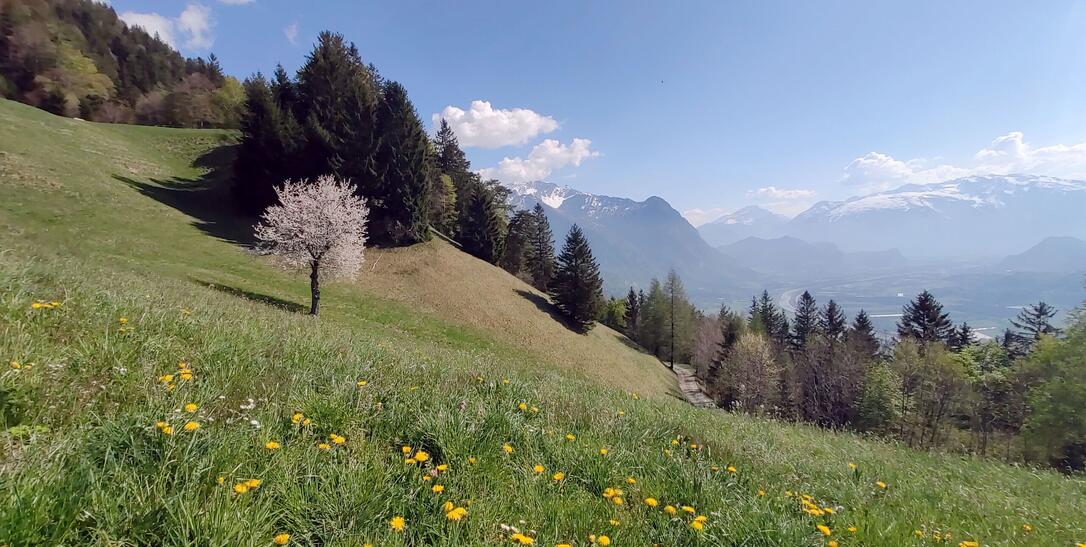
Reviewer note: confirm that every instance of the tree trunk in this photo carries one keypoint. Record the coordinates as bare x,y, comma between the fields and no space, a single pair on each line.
314,288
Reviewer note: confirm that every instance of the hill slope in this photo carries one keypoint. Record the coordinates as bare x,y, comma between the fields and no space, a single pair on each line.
144,276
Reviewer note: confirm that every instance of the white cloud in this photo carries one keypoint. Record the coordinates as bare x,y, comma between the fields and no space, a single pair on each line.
483,126
696,217
1006,154
194,24
291,32
544,158
153,23
772,192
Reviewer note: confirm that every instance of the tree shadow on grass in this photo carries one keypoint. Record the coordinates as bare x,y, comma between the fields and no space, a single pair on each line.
287,305
206,199
547,307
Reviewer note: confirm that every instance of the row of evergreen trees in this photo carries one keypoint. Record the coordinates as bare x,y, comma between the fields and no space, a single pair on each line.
935,385
77,58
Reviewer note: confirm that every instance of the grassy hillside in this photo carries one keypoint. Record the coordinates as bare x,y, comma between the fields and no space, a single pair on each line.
118,226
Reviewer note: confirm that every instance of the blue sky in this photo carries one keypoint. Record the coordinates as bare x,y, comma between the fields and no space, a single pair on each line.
711,105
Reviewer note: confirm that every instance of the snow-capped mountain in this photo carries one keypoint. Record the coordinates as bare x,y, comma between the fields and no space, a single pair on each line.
980,215
635,241
752,221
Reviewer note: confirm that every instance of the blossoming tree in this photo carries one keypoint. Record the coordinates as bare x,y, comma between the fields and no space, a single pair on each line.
319,226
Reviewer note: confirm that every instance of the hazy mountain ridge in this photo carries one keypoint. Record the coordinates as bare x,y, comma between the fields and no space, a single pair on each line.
1058,254
750,221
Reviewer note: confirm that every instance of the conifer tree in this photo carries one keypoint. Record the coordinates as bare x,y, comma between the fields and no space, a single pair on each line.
450,158
832,321
805,323
924,320
577,289
481,228
284,90
443,204
1033,322
521,227
269,139
400,203
862,334
633,309
541,250
961,338
338,111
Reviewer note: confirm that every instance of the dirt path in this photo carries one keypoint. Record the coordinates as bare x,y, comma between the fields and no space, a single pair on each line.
691,388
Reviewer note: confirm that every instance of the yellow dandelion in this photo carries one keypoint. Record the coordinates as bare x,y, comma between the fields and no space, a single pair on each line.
426,478
15,365
631,480
671,510
851,465
507,448
832,543
337,439
761,493
614,522
186,375
307,422
617,500
421,456
688,509
437,488
522,539
241,488
443,467
571,437
604,451
448,506
221,480
361,383
559,476
191,407
539,469
603,540
167,430
282,539
297,418
405,449
1027,528
731,469
472,460
192,426
253,484
324,446
456,514
272,445
534,409
969,544
397,523
122,320
881,485
824,529
651,502
697,525
852,529
165,378
522,407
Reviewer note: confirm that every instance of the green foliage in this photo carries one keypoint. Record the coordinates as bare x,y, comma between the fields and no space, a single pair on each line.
923,319
404,173
540,257
577,290
517,243
1057,421
481,226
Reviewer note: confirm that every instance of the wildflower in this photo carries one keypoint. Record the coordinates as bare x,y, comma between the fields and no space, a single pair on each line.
824,529
670,509
1027,528
697,525
448,506
919,533
631,480
714,469
617,500
437,488
522,407
405,449
731,469
307,422
220,480
674,442
701,518
186,375
123,320
192,426
881,485
604,451
571,437
621,413
421,456
168,430
324,446
337,439
282,539
272,445
456,513
603,540
559,476
165,378
507,448
443,467
426,478
241,488
361,383
472,460
614,522
969,544
253,484
852,529
538,469
563,545
832,543
397,524
852,466
522,539
297,417
688,509
651,502
15,365
505,381
761,493
191,407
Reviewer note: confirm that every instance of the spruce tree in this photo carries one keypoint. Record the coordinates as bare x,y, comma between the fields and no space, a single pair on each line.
521,227
862,334
924,320
577,289
400,206
633,309
805,323
270,138
450,158
481,229
284,90
832,321
961,338
1035,321
541,250
338,111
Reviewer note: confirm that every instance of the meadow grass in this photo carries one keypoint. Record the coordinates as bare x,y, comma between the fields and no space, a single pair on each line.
144,281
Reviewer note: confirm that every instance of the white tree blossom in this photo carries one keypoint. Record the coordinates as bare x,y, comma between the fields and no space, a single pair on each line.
319,226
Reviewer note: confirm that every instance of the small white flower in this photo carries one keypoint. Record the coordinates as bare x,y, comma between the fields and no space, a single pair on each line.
254,423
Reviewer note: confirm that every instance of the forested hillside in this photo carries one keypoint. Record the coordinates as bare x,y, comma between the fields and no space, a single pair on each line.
76,58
